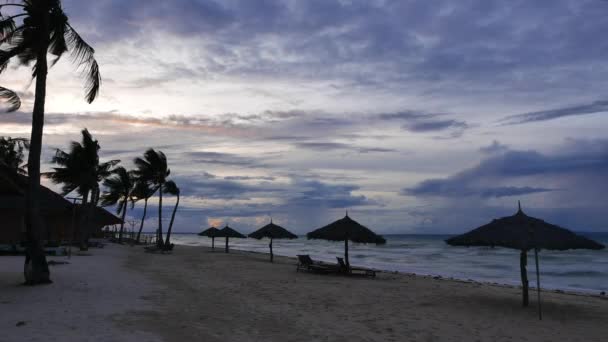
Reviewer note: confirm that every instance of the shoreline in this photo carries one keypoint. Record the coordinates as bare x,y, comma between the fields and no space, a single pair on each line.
590,292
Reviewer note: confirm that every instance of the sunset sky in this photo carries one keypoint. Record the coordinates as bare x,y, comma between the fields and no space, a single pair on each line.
415,116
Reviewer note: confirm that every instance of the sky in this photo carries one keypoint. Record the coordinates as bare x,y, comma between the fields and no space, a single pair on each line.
414,116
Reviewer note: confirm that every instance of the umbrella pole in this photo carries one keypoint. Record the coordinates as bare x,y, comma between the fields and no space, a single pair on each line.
540,314
212,243
226,244
346,252
523,261
271,255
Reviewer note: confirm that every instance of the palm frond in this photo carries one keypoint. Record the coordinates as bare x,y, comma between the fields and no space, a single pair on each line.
11,97
171,188
84,56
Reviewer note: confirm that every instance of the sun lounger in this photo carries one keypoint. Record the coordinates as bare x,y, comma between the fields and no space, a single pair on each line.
305,263
357,270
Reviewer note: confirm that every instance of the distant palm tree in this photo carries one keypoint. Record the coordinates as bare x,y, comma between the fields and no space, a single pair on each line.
142,190
119,188
44,29
152,169
81,171
11,153
172,189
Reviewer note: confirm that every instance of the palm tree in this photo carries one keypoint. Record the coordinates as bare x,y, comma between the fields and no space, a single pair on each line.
119,188
81,171
152,169
44,29
142,190
11,153
172,189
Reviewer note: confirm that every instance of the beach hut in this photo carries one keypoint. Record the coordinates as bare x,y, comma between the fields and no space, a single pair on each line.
524,233
272,231
228,233
212,233
346,229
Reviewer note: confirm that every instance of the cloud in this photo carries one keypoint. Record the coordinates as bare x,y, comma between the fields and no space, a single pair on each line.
423,122
495,147
552,114
493,176
329,146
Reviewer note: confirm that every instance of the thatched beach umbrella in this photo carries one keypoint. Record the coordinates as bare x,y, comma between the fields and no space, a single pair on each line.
346,229
272,231
228,233
524,233
212,233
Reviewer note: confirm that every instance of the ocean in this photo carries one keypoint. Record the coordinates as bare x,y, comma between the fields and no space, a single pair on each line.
574,270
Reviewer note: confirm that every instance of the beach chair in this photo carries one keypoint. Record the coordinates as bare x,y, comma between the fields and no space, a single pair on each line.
305,263
358,270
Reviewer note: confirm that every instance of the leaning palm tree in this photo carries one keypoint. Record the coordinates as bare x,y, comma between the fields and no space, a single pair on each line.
80,170
142,191
152,169
172,189
44,29
118,191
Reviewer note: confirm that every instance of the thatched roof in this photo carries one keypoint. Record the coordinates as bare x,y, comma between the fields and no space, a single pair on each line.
523,232
229,232
209,232
104,217
271,230
346,228
13,188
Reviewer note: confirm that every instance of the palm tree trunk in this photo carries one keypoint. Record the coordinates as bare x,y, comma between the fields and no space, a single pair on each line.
143,217
159,238
89,212
36,269
168,242
122,217
84,212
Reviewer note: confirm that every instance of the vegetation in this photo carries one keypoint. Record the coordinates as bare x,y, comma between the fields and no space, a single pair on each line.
172,189
119,191
153,170
11,153
142,190
81,171
44,29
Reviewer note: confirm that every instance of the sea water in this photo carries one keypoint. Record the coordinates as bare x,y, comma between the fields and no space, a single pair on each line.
573,270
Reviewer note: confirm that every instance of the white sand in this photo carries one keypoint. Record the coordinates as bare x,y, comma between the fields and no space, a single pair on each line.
88,300
124,294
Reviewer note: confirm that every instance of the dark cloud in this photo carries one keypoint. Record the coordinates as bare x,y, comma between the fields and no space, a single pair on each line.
493,176
238,178
229,159
422,122
332,146
494,147
551,114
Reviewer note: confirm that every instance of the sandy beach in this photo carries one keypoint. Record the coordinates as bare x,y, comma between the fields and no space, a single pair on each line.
120,293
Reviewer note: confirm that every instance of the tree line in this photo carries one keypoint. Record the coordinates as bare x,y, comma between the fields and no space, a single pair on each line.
80,171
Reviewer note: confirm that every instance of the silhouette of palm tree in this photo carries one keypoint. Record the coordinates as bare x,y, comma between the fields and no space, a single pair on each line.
142,190
11,153
81,171
152,169
119,189
172,189
44,30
